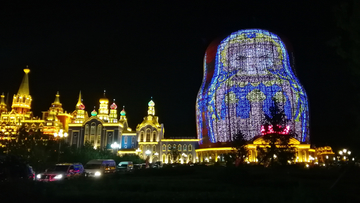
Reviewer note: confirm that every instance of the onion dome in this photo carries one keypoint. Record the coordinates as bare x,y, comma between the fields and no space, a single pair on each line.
122,112
93,113
81,106
113,105
104,99
151,103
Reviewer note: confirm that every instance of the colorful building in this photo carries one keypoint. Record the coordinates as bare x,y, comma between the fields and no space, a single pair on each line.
245,75
154,145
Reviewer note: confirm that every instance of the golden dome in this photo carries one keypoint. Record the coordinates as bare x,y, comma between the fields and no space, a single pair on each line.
104,99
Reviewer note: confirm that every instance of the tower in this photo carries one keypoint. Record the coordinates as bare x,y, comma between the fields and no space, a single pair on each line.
3,108
56,106
22,100
151,109
113,113
104,108
80,111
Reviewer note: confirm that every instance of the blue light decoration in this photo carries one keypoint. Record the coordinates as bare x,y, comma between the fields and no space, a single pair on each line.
244,75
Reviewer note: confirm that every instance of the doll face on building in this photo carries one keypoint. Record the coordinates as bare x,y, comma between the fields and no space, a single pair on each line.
252,58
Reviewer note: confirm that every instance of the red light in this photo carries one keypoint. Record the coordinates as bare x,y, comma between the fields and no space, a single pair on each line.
270,130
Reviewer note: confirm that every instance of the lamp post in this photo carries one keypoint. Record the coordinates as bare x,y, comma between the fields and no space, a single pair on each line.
182,158
344,154
60,135
115,146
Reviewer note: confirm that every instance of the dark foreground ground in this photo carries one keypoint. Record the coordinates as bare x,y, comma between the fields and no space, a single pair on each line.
198,184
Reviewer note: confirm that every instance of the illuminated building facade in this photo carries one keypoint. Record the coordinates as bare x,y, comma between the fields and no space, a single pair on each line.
20,114
152,142
55,118
245,75
101,129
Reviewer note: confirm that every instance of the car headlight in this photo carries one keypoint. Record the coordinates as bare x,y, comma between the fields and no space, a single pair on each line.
38,176
58,176
97,173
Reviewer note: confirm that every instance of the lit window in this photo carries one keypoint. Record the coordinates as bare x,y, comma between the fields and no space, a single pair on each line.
190,147
164,147
184,148
179,147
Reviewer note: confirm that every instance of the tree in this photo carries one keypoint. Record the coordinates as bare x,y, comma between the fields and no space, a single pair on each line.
35,148
239,145
277,148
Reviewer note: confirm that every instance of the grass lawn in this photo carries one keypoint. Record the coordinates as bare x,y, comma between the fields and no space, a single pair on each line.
198,184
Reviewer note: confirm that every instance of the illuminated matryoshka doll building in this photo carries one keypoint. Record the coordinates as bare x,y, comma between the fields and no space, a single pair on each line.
245,75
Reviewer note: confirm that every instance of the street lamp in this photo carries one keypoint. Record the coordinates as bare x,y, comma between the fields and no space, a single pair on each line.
60,135
147,152
115,146
182,158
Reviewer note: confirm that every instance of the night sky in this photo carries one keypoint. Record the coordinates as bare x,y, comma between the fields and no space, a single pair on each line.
141,50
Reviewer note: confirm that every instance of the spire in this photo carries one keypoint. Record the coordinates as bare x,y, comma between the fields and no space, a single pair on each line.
80,105
79,101
2,102
24,87
151,108
57,98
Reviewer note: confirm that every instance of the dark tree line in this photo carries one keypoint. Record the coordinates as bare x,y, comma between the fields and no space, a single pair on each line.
41,151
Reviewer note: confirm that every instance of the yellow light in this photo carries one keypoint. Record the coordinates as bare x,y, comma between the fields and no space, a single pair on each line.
215,149
180,140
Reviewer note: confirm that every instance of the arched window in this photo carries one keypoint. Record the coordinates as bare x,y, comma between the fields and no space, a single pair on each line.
133,140
190,147
153,148
169,158
184,147
179,147
87,129
99,128
163,158
169,147
92,129
164,148
148,135
141,147
190,158
141,136
174,146
154,136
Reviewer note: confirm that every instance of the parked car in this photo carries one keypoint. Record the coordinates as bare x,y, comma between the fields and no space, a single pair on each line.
13,168
157,164
61,171
125,166
99,167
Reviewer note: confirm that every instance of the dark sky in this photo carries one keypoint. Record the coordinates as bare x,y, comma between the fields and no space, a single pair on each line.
138,50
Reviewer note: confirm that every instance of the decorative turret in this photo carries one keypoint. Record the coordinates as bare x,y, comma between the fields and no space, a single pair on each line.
3,107
93,113
22,101
123,114
56,106
80,111
104,108
151,109
79,104
113,112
